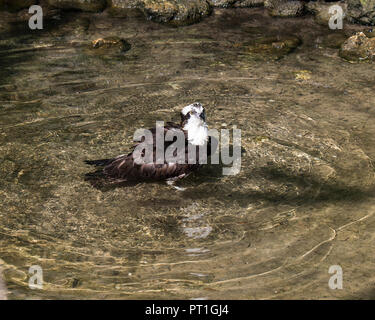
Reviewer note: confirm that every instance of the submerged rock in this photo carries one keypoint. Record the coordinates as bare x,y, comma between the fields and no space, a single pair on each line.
358,48
84,5
269,48
282,8
109,49
362,11
16,5
110,45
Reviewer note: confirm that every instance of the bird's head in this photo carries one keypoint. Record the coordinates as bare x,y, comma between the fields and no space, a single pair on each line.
194,111
193,120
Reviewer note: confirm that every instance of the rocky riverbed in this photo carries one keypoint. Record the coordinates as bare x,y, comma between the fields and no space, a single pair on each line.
182,12
303,200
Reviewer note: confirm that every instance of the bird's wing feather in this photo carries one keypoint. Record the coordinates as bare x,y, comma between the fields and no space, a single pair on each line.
126,167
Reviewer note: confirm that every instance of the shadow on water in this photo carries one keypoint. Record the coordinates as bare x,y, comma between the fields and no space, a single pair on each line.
315,193
209,175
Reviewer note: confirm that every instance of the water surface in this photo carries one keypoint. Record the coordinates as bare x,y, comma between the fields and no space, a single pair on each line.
303,201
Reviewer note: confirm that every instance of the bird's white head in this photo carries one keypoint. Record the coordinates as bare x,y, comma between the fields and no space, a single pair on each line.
193,119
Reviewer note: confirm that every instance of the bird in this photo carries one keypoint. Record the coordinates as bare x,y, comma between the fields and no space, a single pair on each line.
127,167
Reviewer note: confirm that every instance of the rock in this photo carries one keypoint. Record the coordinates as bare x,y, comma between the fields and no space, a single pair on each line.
84,5
175,12
125,8
321,11
113,44
358,48
362,11
269,48
282,8
222,3
16,5
249,3
108,49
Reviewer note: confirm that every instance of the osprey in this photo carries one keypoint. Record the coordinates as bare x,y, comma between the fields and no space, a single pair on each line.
126,168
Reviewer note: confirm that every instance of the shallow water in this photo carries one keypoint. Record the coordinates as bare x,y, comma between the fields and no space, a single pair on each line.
303,201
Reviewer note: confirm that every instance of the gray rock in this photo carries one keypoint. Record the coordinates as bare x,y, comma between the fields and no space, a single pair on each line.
84,5
358,48
282,8
361,11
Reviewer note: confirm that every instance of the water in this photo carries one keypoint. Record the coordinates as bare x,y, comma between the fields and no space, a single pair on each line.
302,202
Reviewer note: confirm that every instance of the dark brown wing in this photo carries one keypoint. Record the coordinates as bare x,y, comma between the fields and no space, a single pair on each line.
125,168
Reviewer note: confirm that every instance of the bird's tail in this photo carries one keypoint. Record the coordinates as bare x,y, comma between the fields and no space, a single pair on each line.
98,163
97,178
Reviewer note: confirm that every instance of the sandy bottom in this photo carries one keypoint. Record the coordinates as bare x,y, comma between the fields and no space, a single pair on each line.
302,202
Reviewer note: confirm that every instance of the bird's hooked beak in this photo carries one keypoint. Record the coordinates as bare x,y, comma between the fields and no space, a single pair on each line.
203,115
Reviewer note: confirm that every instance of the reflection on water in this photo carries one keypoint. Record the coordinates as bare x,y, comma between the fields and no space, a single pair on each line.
302,202
193,225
